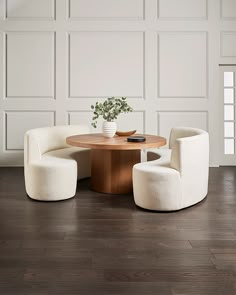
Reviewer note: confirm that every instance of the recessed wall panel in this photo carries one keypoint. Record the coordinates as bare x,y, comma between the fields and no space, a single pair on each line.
83,118
106,9
228,9
30,64
17,123
183,64
228,44
182,9
168,120
38,9
132,121
125,122
106,64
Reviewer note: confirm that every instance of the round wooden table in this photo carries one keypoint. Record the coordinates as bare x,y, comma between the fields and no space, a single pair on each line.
113,159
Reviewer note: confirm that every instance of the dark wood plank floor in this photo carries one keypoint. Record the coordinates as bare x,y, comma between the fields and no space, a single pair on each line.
103,244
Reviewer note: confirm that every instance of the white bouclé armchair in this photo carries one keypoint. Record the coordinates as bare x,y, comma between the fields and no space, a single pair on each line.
51,166
178,180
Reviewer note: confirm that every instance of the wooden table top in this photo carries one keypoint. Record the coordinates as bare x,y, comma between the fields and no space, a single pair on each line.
98,141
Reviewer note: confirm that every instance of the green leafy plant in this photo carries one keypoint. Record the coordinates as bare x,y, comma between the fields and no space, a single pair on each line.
110,109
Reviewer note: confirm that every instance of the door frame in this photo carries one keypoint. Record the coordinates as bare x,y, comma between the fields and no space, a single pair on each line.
226,159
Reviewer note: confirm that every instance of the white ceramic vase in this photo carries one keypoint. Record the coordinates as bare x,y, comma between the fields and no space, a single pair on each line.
109,129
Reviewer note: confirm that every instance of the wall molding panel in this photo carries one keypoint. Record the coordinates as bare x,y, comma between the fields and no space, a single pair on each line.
167,119
183,64
228,10
228,44
18,122
86,49
106,10
22,10
30,71
58,57
135,120
182,9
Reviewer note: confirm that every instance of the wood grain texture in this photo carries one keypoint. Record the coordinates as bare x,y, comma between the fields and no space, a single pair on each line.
112,170
113,159
99,244
98,141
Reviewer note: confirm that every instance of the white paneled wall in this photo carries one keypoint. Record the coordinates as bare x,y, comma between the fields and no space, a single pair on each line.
166,120
228,44
25,52
107,9
228,9
186,54
18,123
29,9
189,9
57,57
102,63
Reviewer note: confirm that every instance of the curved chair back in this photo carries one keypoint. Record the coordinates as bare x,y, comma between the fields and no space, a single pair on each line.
41,140
190,156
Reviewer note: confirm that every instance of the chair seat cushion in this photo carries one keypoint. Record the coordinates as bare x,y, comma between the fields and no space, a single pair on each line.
61,156
164,194
54,176
159,154
69,156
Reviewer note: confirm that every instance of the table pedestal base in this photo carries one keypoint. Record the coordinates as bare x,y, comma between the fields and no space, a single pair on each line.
111,170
